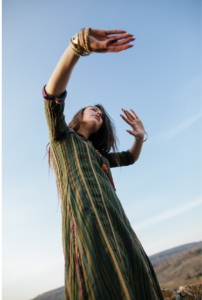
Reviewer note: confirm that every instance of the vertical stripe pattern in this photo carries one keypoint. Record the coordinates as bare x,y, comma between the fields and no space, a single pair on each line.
104,259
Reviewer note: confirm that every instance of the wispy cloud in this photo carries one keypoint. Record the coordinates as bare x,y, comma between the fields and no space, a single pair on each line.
170,133
168,214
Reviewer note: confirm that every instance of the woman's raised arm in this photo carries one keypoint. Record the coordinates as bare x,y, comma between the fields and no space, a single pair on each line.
100,41
61,75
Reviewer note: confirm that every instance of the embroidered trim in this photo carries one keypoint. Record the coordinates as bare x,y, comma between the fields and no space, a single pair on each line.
49,97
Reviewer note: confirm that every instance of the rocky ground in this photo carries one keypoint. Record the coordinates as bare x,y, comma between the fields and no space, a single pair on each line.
187,292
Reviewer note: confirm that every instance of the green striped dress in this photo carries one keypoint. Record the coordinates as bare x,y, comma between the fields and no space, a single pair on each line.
103,256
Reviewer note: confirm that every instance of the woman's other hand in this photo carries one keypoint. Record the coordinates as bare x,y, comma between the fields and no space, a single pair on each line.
103,41
138,130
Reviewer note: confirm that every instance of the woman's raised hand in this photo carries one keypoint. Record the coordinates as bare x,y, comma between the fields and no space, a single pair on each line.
103,41
138,130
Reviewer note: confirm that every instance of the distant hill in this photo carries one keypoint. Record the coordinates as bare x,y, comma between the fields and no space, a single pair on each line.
175,250
181,265
57,294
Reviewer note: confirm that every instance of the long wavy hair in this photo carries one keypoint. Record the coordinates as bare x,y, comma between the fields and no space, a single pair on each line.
105,138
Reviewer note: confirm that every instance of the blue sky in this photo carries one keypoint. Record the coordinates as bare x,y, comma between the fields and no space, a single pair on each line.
159,78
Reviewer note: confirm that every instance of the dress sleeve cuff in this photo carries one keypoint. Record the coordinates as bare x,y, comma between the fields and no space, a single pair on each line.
61,98
131,156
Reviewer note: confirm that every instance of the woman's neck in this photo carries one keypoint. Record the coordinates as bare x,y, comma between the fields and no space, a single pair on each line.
85,132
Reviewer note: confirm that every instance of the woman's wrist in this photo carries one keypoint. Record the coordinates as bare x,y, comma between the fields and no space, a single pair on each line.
141,139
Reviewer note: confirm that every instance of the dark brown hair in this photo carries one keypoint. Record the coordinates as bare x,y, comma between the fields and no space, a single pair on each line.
105,138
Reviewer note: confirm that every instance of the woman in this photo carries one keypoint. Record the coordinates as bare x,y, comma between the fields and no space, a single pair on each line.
103,256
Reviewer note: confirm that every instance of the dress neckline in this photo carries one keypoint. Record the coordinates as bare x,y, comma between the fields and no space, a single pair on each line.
82,136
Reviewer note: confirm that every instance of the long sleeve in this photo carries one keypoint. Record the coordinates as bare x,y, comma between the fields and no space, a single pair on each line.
125,158
54,110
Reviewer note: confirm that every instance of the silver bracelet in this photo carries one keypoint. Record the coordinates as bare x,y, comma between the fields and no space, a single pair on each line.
139,141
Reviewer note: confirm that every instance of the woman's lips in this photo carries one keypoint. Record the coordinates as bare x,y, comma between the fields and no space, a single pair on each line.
97,117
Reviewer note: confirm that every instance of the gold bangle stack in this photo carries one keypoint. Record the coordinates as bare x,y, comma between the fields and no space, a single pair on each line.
75,45
87,45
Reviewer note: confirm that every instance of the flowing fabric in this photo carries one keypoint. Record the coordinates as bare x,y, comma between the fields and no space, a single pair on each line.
103,257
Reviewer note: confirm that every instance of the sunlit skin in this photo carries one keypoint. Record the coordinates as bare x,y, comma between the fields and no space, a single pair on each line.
100,41
91,124
138,129
91,121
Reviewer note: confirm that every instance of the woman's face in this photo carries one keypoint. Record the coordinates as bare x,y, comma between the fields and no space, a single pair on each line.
93,115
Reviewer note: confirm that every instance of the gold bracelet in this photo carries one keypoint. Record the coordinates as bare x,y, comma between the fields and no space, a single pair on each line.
76,50
87,45
82,36
79,47
75,45
139,141
75,42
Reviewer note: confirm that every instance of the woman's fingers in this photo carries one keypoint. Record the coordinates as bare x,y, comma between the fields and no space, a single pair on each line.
128,114
126,120
123,42
114,41
134,114
120,36
119,48
131,132
114,31
100,42
109,46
